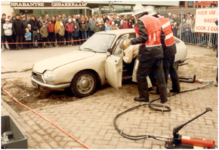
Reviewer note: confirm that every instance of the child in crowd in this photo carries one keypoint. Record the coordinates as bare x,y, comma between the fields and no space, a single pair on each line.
113,26
83,29
61,32
31,31
108,27
28,40
44,33
38,39
97,28
46,22
187,33
102,26
75,35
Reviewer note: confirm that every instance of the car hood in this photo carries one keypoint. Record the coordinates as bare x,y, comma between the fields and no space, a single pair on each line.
57,61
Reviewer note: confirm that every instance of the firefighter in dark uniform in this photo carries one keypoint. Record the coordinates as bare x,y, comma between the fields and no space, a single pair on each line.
169,48
148,30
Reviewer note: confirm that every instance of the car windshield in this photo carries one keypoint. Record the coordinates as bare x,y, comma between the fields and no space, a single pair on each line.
98,43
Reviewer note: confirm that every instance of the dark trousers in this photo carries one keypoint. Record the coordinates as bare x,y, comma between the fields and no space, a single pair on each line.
66,37
91,33
169,68
80,36
69,36
57,38
40,43
144,69
51,37
14,41
3,41
28,44
61,38
84,35
9,40
19,41
44,39
75,38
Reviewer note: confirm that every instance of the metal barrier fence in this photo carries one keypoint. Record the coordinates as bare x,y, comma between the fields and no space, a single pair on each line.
189,37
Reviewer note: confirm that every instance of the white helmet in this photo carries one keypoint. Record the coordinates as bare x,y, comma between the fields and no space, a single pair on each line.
138,9
150,10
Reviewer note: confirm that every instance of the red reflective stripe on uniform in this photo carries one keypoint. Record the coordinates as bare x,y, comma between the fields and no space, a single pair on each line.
169,40
153,28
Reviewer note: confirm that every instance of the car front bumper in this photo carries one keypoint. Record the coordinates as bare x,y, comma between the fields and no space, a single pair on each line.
39,84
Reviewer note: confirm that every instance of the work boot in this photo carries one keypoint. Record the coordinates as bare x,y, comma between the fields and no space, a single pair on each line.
141,99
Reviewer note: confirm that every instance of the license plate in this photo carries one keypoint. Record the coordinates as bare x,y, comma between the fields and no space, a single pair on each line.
35,84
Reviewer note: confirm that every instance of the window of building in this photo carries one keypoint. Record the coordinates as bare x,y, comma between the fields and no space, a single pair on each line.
190,3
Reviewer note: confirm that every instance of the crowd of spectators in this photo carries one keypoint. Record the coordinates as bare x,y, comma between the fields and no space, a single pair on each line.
29,31
185,25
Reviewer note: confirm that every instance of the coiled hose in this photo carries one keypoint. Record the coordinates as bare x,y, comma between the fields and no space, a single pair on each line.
152,106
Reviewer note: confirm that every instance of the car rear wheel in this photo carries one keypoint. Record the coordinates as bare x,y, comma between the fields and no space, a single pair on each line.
84,84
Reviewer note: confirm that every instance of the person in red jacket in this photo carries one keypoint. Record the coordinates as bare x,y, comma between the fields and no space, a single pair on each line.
130,24
124,25
69,27
51,31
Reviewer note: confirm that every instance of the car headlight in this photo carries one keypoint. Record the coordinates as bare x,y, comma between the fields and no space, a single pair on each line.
48,77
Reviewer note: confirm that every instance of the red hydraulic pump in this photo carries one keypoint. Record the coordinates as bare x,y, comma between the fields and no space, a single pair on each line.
185,142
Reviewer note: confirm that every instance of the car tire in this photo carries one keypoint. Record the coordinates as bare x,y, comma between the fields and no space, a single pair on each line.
84,84
177,65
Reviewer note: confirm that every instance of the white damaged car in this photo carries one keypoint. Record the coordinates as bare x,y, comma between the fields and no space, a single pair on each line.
98,61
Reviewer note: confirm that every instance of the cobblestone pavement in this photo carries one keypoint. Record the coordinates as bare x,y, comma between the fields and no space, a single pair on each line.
90,119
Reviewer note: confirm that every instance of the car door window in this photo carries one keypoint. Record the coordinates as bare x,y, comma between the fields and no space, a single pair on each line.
118,50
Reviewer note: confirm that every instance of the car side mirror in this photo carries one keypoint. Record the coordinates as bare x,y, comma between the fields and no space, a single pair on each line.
109,51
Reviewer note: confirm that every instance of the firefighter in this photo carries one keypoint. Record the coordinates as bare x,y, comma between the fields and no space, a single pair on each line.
148,30
169,48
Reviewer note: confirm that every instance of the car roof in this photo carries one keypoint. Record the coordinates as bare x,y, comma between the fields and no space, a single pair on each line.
118,32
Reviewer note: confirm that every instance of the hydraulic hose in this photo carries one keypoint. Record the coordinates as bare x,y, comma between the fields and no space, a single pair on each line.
151,106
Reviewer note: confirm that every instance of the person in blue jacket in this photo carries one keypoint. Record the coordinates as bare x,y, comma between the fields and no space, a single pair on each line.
27,37
75,35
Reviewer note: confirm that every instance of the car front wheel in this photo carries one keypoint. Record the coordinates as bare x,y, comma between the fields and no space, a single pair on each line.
84,84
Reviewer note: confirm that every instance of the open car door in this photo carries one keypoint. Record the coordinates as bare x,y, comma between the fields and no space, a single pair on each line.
114,65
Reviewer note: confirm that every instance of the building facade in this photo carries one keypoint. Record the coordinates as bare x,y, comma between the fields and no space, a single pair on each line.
84,8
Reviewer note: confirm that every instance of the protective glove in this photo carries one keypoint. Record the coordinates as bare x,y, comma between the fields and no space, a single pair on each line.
127,43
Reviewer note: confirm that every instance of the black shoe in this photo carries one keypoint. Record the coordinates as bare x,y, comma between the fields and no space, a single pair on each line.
174,91
141,99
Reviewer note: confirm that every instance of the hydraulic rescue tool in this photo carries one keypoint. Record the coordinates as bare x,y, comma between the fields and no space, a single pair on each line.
186,142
